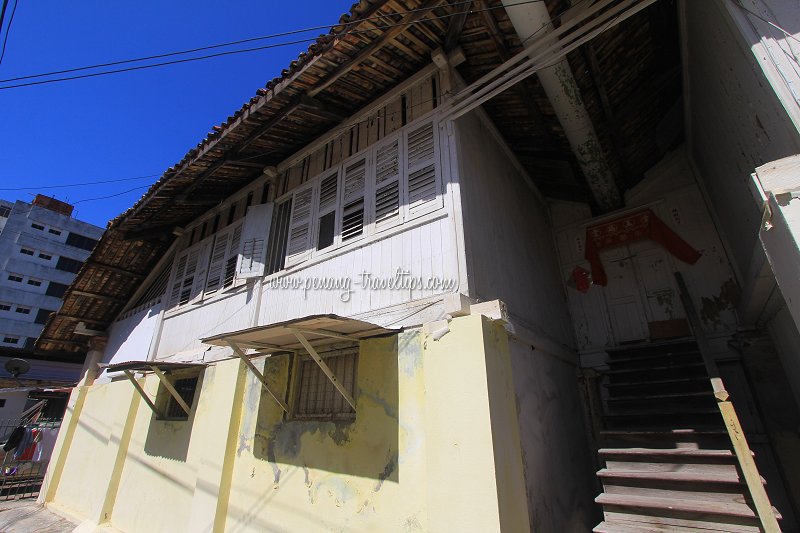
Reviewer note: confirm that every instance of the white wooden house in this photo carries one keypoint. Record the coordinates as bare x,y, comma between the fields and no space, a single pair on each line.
365,302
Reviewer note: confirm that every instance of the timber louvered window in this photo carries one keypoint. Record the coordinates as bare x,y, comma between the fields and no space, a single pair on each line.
278,235
355,177
254,233
326,217
216,266
233,256
387,183
189,279
298,246
390,183
421,165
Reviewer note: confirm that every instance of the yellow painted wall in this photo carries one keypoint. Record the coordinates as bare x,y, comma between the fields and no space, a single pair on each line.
432,448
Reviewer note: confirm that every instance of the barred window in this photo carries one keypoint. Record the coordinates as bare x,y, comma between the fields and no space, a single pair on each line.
186,387
316,396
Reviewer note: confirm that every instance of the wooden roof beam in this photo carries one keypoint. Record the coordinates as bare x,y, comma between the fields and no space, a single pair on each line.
455,27
63,342
105,297
502,50
76,318
116,270
366,52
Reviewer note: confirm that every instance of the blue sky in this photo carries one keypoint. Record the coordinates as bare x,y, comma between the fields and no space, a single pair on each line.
138,123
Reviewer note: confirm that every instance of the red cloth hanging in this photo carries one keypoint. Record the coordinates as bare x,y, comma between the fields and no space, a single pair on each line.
582,279
641,225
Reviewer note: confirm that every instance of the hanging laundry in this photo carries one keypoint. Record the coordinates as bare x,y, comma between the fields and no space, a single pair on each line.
14,439
47,442
28,445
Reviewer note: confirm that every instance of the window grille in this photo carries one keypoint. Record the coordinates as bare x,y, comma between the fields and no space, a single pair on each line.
316,396
186,388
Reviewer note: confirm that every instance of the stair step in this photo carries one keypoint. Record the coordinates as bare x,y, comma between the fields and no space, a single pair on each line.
665,396
650,370
675,505
656,411
667,453
657,380
640,527
665,437
676,345
653,355
661,359
667,433
680,477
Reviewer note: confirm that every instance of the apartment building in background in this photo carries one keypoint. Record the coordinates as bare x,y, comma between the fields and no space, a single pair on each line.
42,248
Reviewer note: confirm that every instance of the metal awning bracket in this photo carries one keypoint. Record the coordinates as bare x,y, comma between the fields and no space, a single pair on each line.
240,353
142,393
171,389
324,367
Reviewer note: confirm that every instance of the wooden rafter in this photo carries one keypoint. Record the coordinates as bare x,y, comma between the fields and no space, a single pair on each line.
502,50
389,35
97,296
117,270
455,27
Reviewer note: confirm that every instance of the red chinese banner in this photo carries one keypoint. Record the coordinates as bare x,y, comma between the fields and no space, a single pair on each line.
642,225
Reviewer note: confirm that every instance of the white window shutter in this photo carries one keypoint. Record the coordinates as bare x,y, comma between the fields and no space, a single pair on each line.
254,237
199,282
299,244
177,280
229,276
216,265
353,208
188,277
387,184
422,167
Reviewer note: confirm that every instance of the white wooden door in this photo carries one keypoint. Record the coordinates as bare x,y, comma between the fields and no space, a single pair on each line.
654,270
623,293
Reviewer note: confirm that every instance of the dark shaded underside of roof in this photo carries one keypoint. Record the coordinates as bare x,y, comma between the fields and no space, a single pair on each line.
629,78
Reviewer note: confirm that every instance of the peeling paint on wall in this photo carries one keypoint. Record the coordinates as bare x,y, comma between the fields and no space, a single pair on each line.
710,307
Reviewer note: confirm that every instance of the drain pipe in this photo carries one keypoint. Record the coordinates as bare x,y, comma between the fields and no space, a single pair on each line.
562,91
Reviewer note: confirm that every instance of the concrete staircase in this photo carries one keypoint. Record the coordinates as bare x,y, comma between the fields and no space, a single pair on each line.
669,461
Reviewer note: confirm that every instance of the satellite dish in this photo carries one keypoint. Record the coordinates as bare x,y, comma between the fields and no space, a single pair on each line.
16,367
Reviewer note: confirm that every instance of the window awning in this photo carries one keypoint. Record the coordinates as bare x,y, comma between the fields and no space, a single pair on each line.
318,330
158,368
311,333
148,366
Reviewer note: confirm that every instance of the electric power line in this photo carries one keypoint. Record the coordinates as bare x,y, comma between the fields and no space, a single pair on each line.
67,185
110,195
219,45
8,30
232,52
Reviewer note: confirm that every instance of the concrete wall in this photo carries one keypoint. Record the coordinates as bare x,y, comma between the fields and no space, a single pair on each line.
14,406
559,474
434,447
509,246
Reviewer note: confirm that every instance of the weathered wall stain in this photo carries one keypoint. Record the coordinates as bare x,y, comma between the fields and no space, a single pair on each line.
710,307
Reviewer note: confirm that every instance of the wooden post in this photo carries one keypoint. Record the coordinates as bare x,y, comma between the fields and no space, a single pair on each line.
171,389
238,351
142,393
